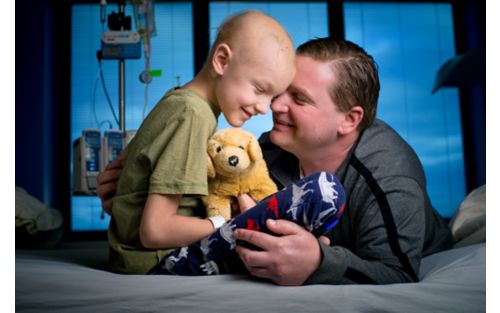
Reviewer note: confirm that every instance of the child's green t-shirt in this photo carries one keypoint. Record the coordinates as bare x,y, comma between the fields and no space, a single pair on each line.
166,156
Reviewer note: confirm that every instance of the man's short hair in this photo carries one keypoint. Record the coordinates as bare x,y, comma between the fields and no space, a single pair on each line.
357,80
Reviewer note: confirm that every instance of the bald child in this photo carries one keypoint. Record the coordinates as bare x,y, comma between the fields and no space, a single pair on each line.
157,206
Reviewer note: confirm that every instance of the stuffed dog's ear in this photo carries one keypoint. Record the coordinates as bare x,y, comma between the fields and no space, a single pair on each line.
210,167
211,151
254,150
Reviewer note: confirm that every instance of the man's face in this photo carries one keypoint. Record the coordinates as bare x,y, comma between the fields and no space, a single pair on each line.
305,118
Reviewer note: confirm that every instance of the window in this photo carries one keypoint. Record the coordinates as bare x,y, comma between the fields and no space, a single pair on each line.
409,42
171,52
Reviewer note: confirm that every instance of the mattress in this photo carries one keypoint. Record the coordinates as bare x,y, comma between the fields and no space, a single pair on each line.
75,279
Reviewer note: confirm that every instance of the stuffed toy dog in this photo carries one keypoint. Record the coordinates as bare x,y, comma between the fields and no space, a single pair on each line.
235,166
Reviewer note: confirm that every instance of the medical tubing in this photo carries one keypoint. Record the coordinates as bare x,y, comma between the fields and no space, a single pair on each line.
106,93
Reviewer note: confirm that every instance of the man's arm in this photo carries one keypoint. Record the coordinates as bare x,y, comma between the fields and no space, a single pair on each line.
292,259
372,258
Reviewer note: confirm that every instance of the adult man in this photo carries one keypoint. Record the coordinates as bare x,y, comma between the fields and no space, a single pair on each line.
325,121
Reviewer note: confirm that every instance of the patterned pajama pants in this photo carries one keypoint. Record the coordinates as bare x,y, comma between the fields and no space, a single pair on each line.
315,202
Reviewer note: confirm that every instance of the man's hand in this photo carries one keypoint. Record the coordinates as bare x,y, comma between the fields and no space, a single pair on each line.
107,182
286,260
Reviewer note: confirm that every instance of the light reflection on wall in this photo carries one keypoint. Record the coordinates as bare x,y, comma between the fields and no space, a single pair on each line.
410,41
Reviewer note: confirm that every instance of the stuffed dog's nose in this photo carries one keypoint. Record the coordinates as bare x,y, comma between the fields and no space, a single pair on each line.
233,160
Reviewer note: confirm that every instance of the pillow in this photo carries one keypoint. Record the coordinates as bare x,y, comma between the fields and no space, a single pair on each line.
37,226
468,225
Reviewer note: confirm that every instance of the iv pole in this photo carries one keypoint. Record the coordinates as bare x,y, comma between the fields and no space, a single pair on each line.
121,75
119,24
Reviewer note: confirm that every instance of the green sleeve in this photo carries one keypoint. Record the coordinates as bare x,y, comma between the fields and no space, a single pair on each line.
177,156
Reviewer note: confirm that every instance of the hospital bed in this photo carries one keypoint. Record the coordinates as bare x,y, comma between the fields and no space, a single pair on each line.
75,278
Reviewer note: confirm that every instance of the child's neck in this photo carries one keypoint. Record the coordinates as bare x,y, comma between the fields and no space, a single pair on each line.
203,85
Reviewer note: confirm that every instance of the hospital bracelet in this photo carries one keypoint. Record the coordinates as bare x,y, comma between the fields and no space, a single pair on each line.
217,221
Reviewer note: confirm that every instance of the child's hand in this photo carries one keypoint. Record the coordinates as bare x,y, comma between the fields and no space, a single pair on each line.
241,203
245,202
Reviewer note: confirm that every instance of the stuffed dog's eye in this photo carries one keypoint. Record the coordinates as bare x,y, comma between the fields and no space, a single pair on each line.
219,149
241,147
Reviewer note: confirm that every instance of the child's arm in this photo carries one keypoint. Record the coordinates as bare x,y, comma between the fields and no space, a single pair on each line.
161,227
245,202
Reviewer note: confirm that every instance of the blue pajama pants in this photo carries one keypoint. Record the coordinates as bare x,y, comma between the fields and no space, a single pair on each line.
315,202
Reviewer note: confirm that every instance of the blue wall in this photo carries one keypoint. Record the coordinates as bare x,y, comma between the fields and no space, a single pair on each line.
42,97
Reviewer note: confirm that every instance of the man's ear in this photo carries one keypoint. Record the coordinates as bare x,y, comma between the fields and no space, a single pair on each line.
220,58
352,119
254,150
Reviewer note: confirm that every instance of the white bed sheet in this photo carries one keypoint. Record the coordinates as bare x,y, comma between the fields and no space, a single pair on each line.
75,279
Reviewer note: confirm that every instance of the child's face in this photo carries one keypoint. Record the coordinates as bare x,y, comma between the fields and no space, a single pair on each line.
247,87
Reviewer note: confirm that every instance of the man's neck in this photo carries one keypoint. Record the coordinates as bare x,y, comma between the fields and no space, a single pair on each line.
327,158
